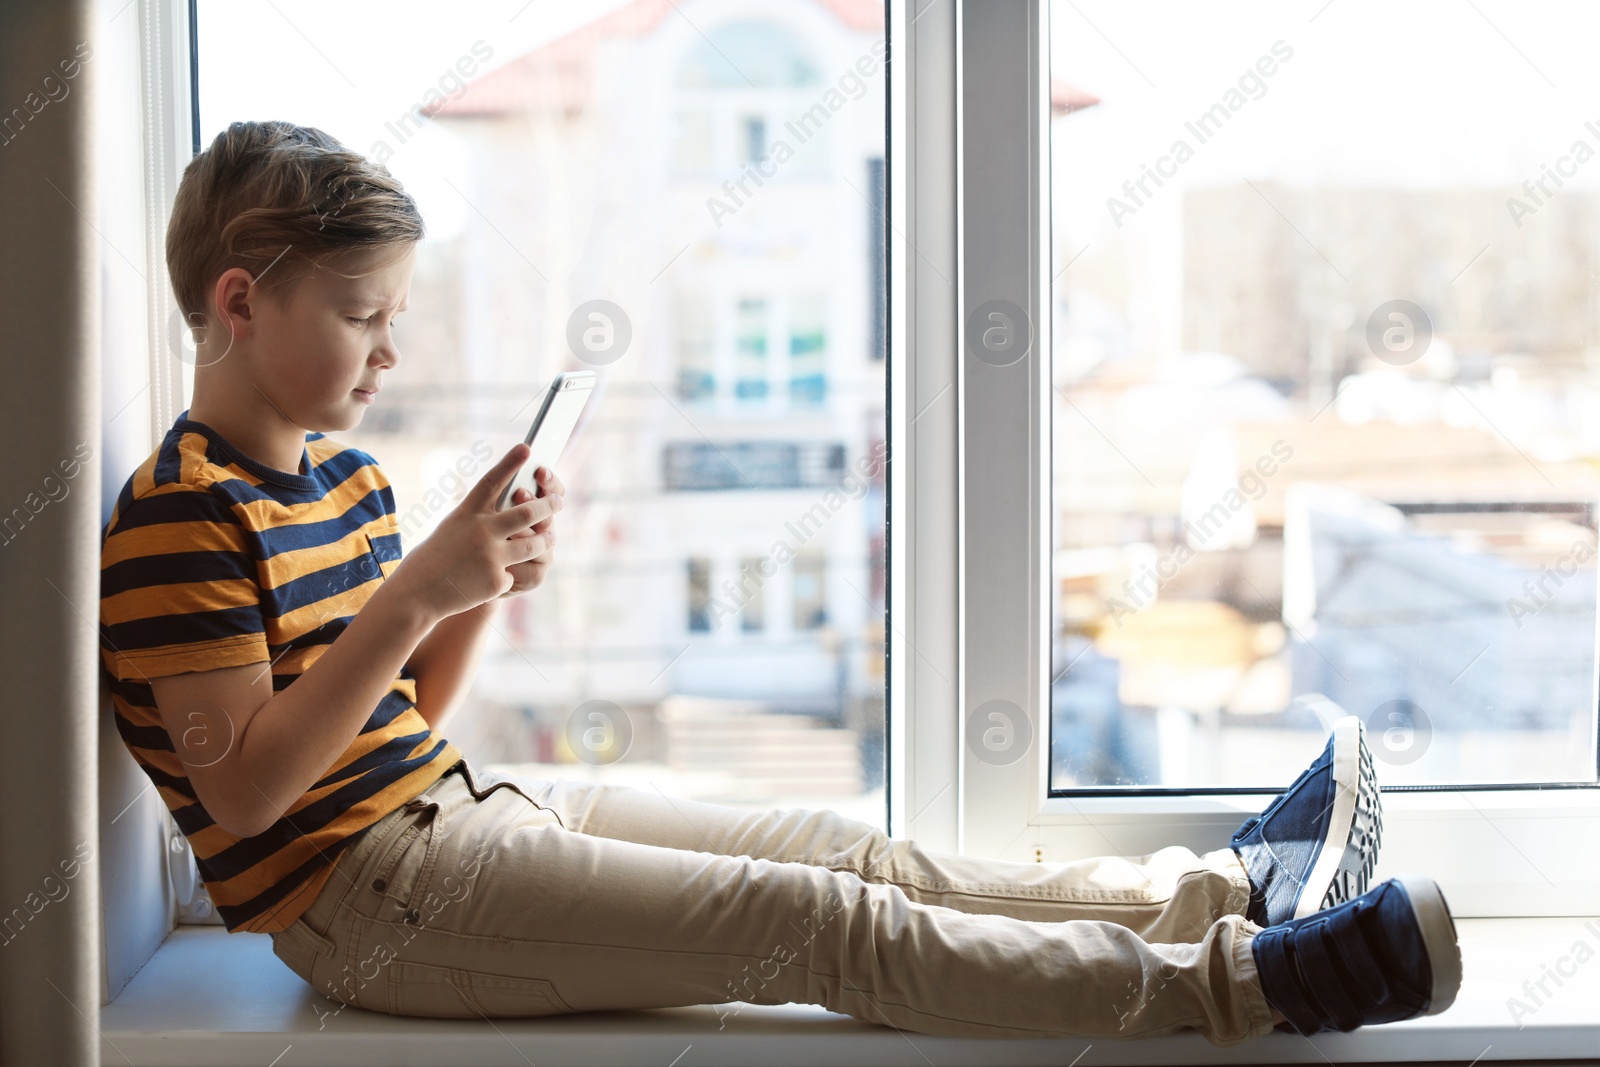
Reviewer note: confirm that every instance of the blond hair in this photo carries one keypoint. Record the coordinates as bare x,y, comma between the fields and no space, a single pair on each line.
281,201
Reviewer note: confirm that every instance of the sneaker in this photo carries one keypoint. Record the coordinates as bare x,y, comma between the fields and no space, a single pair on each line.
1316,845
1387,955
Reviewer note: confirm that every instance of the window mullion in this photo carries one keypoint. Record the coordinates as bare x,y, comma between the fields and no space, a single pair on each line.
920,241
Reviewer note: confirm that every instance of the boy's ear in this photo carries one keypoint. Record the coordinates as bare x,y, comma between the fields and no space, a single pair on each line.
235,300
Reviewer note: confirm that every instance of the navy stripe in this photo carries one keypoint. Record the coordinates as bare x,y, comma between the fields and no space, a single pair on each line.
387,546
191,819
337,468
152,738
173,568
135,693
387,492
161,630
176,783
194,505
393,705
395,748
124,501
325,634
169,459
249,851
301,535
318,585
236,915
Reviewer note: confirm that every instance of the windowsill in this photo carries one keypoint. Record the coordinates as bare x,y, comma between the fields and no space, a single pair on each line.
213,998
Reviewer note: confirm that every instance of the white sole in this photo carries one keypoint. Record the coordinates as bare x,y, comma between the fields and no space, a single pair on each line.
1347,784
1438,938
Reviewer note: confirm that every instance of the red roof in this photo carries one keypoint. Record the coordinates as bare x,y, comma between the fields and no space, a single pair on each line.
555,76
1065,98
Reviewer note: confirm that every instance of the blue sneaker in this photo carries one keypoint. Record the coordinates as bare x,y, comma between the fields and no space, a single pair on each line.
1387,955
1316,845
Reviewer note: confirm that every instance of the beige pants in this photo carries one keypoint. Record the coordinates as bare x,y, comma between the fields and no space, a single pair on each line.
491,896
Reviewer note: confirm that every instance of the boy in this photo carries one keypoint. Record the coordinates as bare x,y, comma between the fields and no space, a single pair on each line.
281,674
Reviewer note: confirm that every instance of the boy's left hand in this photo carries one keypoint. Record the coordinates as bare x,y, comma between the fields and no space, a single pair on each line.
530,574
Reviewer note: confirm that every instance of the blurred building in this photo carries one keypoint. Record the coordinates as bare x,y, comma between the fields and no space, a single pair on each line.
1271,511
718,184
1292,301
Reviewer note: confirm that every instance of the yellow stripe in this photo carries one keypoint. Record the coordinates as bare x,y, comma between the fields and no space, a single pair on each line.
159,539
183,598
269,513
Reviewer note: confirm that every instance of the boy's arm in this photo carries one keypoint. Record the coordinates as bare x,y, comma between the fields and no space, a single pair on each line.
274,746
447,659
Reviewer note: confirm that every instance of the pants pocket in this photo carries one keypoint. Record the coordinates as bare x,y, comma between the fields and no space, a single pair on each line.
301,948
423,989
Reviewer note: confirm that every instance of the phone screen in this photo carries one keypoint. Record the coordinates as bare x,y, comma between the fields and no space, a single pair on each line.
552,428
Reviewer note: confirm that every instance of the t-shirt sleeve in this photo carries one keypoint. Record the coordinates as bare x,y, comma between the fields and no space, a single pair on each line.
179,588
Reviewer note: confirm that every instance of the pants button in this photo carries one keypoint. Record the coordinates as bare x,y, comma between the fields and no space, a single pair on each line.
379,884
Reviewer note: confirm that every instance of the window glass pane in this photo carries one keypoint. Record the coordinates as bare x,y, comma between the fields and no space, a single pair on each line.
696,351
755,139
750,350
1325,389
753,614
810,604
692,149
699,595
636,163
807,350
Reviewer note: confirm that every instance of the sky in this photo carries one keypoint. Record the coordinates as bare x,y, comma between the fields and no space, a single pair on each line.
1426,93
348,68
1422,93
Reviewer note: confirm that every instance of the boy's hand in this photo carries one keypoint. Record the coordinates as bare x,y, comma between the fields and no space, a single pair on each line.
531,574
477,554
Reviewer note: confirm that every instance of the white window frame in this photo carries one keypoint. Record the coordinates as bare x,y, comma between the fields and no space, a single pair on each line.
149,878
969,529
1496,852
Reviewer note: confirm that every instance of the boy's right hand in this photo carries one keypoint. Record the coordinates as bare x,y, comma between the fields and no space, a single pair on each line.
464,561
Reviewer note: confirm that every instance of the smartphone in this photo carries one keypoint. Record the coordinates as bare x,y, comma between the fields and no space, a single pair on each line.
552,427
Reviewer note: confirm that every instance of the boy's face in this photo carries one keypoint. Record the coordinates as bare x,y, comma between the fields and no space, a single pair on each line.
329,336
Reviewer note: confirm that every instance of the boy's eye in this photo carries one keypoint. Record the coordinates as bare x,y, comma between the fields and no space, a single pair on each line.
359,322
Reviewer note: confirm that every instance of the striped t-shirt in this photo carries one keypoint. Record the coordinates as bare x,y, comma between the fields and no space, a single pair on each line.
211,559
